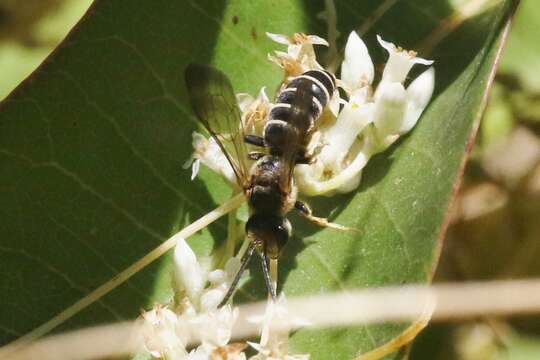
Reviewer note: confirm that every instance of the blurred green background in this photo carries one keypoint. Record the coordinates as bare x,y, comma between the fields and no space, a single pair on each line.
29,31
495,230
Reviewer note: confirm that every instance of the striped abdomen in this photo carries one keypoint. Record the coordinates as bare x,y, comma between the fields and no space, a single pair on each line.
297,108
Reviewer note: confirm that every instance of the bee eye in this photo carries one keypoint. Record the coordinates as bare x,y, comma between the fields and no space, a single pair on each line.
283,233
281,236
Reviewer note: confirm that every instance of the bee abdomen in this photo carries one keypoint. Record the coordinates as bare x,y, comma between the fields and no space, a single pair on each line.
324,81
318,84
297,109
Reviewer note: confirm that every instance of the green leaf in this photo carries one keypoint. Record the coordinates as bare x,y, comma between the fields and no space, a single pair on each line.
92,144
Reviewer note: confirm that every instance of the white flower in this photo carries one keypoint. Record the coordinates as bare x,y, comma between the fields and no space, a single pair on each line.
161,337
228,352
197,317
188,274
276,325
220,281
213,328
208,152
254,111
371,120
357,69
399,62
300,56
418,95
192,280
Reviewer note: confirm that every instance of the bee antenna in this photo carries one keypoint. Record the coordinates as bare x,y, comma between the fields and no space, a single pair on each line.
266,275
243,265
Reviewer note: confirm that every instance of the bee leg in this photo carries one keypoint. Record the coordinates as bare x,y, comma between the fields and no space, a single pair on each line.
254,140
243,265
266,274
306,212
255,155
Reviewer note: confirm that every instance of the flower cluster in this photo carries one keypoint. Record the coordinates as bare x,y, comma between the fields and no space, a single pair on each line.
371,118
196,319
195,316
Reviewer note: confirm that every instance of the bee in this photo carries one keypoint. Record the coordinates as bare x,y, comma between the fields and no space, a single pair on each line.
266,179
293,119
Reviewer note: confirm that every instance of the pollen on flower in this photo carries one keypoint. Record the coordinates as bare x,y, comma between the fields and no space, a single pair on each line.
300,56
254,111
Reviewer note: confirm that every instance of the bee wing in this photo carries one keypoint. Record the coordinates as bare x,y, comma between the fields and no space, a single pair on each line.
213,101
287,173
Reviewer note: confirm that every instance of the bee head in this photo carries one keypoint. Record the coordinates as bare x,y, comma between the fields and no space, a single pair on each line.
269,232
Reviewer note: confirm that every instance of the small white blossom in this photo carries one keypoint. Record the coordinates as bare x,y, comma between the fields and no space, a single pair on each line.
418,95
197,317
161,337
399,62
357,69
208,152
213,328
254,111
188,274
300,56
276,325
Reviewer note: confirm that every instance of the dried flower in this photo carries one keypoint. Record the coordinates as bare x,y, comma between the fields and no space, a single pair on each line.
300,56
254,111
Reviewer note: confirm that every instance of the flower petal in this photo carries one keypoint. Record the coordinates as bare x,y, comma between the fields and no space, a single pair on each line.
188,274
357,68
244,101
390,105
195,167
279,38
312,185
159,333
340,136
316,40
211,299
418,95
399,62
211,155
214,328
